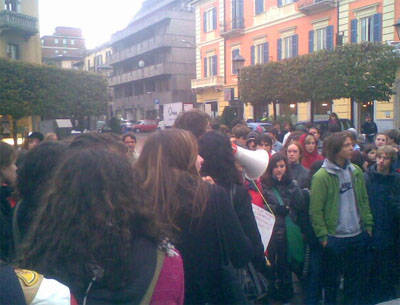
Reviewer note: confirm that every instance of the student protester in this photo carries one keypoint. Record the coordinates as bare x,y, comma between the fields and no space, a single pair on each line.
251,140
369,155
334,123
276,145
369,129
317,135
287,201
129,140
240,132
195,121
194,213
8,177
287,129
33,178
108,249
393,137
265,142
34,139
381,139
342,220
294,153
311,154
383,186
219,164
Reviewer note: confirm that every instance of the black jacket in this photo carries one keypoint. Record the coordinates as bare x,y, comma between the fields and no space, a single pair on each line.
300,174
384,200
200,247
6,214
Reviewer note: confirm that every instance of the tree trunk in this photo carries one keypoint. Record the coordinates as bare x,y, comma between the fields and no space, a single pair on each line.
312,103
274,109
14,130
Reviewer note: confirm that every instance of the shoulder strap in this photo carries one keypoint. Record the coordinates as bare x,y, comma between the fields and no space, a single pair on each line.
278,196
150,290
11,291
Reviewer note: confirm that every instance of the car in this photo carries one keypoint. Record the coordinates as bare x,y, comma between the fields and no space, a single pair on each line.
322,125
144,125
265,126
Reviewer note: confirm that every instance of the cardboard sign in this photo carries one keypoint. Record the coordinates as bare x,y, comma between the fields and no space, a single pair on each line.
265,223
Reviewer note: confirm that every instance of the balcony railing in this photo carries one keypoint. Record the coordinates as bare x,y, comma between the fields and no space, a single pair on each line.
149,45
209,82
232,28
12,21
315,6
150,71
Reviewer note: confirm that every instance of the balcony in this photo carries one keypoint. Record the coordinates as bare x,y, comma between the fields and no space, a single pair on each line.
232,28
215,81
150,71
149,45
18,23
309,7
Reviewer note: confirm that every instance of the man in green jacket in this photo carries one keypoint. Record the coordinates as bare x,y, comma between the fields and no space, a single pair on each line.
342,220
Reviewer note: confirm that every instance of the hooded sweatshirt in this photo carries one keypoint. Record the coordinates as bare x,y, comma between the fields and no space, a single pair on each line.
349,218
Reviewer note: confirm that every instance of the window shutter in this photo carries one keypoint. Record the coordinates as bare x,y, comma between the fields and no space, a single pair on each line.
241,22
205,67
354,30
295,43
265,52
329,37
378,27
253,55
311,41
214,12
234,16
205,22
279,3
259,6
214,65
279,48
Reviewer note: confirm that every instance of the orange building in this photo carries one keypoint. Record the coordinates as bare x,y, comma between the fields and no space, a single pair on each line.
270,30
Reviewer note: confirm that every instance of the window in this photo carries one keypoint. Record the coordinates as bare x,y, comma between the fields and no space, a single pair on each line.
56,41
367,33
210,66
288,47
12,5
65,52
210,20
65,41
235,52
72,41
237,14
285,2
98,60
13,51
260,53
108,56
56,51
367,28
42,42
259,6
321,39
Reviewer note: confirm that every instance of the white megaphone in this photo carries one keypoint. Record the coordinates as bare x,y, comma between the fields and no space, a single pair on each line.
254,162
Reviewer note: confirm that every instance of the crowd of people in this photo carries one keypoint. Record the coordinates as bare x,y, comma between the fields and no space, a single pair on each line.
90,221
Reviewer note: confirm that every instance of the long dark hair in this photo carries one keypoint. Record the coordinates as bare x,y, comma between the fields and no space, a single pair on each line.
7,155
219,161
90,217
166,173
268,179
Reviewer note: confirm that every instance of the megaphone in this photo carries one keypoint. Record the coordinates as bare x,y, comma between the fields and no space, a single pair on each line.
254,162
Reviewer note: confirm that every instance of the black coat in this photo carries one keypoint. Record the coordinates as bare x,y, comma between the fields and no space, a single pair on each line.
300,174
6,215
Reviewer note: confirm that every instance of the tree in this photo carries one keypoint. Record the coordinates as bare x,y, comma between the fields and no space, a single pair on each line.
363,72
27,89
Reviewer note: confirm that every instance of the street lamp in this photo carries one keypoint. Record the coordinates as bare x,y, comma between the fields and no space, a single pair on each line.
238,63
397,27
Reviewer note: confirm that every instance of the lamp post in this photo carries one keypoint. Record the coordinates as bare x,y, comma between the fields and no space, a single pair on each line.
238,63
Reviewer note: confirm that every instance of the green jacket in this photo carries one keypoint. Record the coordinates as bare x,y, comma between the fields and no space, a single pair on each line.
324,202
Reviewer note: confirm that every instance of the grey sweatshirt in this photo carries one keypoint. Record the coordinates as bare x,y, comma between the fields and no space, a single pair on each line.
349,217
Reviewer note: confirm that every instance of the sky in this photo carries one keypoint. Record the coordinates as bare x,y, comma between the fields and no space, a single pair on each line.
98,19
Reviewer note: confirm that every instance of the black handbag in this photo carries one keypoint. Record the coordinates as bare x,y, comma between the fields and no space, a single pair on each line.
246,285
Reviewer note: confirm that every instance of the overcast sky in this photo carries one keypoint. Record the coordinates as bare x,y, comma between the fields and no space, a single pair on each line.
98,19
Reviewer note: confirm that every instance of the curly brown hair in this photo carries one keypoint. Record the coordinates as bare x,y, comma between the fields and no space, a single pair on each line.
90,216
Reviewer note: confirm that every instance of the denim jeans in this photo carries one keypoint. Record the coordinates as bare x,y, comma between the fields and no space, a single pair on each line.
347,256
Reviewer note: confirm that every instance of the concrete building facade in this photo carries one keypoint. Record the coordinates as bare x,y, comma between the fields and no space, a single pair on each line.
262,31
64,48
19,40
153,60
